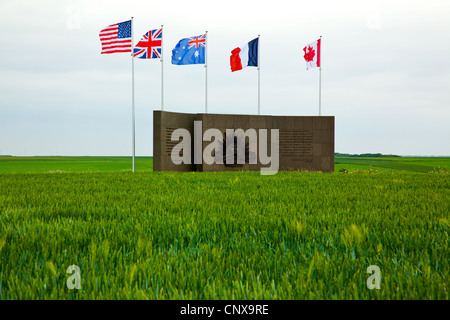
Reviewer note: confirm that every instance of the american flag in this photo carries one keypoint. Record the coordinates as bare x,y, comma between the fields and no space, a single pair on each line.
116,38
150,45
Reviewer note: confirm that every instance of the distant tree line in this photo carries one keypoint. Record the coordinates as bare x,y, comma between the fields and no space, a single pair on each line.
365,155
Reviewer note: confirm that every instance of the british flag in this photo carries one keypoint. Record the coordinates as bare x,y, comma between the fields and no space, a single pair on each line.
150,45
197,41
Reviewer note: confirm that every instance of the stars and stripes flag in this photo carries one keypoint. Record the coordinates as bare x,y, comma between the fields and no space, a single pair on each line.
116,38
150,45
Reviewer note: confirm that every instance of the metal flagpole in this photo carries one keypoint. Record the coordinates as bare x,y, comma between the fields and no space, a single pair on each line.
162,68
206,72
132,87
320,79
259,79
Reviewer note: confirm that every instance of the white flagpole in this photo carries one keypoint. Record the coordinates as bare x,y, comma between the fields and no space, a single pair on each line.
259,78
162,69
132,88
206,72
320,79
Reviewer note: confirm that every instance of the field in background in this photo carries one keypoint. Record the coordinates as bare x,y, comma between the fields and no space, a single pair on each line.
104,164
73,164
413,164
236,235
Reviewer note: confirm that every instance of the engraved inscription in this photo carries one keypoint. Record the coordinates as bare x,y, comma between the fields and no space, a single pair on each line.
297,145
169,143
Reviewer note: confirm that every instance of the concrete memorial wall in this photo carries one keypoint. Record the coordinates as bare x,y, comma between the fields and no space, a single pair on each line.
304,143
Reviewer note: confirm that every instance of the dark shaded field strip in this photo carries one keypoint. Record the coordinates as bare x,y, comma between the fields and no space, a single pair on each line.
389,164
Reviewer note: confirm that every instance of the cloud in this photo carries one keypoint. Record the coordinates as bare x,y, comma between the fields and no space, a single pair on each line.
385,71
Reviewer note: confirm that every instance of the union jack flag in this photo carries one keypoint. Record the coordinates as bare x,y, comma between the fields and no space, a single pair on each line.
150,45
196,41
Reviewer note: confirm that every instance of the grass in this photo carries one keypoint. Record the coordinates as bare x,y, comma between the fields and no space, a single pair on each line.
423,165
145,164
73,164
235,235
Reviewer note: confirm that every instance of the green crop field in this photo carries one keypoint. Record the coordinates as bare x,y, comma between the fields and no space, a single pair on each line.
238,235
108,164
414,164
73,164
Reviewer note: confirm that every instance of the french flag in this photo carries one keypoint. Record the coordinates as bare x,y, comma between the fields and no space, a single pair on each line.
244,56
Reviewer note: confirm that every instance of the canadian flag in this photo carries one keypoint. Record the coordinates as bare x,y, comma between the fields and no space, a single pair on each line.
312,54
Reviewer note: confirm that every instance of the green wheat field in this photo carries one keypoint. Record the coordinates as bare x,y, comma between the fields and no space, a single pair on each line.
239,235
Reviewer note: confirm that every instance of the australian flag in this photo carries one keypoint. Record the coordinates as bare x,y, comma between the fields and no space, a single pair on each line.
190,51
150,45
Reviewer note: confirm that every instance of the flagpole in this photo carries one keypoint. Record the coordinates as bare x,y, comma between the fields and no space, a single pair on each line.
320,79
259,79
206,72
132,90
162,69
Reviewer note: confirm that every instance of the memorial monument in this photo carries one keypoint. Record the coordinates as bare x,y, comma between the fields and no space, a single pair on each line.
305,143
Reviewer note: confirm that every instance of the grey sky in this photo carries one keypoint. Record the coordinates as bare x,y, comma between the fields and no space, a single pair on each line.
385,75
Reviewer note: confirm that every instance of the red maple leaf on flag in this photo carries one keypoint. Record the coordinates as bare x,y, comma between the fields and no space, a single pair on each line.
309,55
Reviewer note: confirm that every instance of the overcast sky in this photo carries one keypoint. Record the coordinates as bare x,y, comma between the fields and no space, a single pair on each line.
385,72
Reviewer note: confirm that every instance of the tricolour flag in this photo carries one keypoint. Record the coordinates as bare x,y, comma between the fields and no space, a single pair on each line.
244,56
190,51
116,38
150,45
312,55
